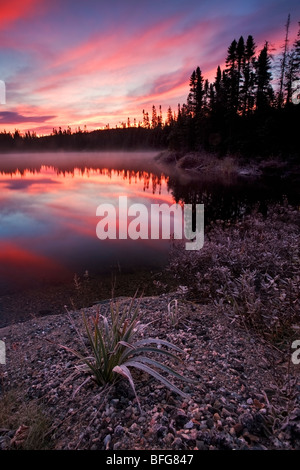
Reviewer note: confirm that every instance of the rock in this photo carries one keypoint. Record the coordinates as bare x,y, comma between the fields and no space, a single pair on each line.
177,443
134,427
238,428
201,445
119,431
189,425
225,413
107,441
162,431
168,439
115,402
219,414
210,423
180,418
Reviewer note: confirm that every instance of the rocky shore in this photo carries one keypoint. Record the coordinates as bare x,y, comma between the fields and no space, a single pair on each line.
208,165
246,393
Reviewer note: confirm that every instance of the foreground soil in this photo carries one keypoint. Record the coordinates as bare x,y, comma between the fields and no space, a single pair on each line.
246,393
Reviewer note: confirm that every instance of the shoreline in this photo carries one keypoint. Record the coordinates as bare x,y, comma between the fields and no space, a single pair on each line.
246,395
53,299
210,165
230,406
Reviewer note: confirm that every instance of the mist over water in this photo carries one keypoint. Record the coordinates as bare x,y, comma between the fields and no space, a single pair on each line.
48,215
48,208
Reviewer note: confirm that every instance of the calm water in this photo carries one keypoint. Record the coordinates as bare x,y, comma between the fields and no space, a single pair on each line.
48,212
48,215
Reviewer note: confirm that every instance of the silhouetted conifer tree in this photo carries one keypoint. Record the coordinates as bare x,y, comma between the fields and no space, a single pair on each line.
230,77
248,88
283,65
265,94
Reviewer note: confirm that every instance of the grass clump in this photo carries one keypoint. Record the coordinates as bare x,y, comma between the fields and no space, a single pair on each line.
23,423
249,269
111,348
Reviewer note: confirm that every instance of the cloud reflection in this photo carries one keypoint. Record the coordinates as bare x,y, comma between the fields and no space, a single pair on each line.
48,220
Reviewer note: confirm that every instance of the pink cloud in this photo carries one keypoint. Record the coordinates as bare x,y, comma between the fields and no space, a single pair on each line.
14,10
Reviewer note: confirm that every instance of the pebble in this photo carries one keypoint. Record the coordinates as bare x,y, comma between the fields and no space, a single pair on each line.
189,425
119,431
177,443
106,441
219,412
210,423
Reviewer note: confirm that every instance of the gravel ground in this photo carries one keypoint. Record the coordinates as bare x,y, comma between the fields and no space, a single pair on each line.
246,393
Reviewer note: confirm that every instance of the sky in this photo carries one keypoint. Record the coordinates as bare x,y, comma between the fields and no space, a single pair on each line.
91,63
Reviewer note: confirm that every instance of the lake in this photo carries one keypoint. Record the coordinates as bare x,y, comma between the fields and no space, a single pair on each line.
48,220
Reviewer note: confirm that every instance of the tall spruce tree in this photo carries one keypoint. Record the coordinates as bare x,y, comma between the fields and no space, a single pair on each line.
195,97
240,53
230,76
292,84
247,91
154,120
264,94
283,65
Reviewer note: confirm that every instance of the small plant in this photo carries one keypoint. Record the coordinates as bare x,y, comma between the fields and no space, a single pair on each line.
173,312
27,419
249,268
111,349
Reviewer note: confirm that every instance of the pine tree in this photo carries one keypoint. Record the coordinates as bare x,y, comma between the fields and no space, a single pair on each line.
146,122
205,103
283,65
218,79
195,97
170,118
264,94
240,52
160,118
247,91
292,77
297,50
154,121
230,76
212,97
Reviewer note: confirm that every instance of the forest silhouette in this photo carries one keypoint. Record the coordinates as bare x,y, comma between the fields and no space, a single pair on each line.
239,113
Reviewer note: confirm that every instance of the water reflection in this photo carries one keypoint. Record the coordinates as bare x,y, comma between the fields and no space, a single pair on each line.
48,211
48,220
226,200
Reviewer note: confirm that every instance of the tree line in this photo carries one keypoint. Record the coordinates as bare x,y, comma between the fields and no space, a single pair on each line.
239,112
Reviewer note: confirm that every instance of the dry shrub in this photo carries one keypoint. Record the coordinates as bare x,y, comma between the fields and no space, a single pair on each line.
248,268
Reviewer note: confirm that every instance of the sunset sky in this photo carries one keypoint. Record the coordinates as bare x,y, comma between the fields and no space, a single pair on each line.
94,62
